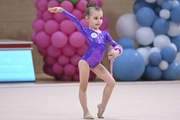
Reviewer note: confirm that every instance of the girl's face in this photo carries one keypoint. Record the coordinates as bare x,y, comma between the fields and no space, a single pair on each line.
95,19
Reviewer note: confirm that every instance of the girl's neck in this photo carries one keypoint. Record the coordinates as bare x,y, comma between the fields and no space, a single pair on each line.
96,30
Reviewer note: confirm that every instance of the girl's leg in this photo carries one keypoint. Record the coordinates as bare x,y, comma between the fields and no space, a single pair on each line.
84,76
104,74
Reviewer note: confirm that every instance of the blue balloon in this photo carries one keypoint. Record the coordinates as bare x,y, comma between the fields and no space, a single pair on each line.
141,3
155,58
168,54
176,41
172,72
157,10
167,4
153,72
160,26
127,43
129,66
175,17
145,16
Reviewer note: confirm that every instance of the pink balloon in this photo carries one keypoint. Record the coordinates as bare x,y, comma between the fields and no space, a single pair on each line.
51,26
68,50
67,26
67,78
77,13
67,5
59,39
59,17
63,60
84,23
76,77
36,4
47,15
69,69
42,5
38,25
53,51
81,5
57,68
43,39
105,23
82,50
76,39
75,59
92,76
53,3
42,51
100,3
58,77
48,70
49,60
39,14
33,38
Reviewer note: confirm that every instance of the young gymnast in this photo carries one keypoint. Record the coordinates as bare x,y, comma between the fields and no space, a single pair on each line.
92,59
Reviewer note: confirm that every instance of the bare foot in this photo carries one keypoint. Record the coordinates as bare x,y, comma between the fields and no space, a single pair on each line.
101,110
88,116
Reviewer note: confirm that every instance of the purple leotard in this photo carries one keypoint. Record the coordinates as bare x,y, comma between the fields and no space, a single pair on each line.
97,42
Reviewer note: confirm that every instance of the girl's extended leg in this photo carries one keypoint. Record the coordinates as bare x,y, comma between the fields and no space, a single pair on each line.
104,74
84,76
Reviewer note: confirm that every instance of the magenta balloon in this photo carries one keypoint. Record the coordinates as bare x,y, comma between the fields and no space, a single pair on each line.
51,26
76,39
76,77
81,5
67,5
100,3
38,25
49,60
47,15
43,39
42,51
63,60
67,26
58,77
59,39
57,68
68,50
67,77
39,14
82,50
59,17
33,38
36,4
42,5
77,13
53,51
75,59
69,69
84,23
53,3
104,24
48,70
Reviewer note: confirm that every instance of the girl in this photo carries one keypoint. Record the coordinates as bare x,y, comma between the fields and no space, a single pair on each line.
92,59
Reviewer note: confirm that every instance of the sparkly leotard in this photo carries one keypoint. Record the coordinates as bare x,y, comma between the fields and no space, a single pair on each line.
97,42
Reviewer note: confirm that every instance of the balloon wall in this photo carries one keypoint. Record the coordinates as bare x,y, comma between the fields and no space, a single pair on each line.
58,40
155,26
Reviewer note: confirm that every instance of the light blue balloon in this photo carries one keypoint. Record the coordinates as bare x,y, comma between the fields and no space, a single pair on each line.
141,3
167,4
145,16
176,41
153,72
175,14
168,54
155,58
126,43
129,66
172,72
160,26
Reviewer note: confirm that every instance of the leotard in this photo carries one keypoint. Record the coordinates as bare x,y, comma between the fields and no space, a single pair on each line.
97,42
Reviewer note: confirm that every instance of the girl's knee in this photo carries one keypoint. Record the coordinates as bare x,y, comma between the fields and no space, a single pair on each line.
112,83
83,88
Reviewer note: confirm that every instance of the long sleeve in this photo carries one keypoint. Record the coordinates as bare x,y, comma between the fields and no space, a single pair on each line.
76,21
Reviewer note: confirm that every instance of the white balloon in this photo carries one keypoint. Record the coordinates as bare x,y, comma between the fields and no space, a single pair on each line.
161,41
175,3
159,2
126,26
174,29
163,65
145,35
177,59
150,1
154,49
144,53
164,14
173,46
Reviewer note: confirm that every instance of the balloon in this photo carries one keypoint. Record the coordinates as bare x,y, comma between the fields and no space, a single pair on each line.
69,69
161,41
76,77
49,60
173,46
155,58
177,59
53,3
57,68
43,39
160,26
59,17
36,4
81,5
42,5
75,59
76,39
68,50
39,14
144,53
67,5
174,14
125,43
163,65
174,29
48,70
164,14
53,51
67,26
168,54
139,4
84,23
77,13
176,41
38,25
175,3
105,23
167,4
47,15
153,72
59,39
51,27
145,35
145,16
63,60
33,37
42,51
82,50
159,2
67,77
150,1
154,49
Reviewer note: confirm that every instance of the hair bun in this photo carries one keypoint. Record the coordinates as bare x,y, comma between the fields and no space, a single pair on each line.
91,4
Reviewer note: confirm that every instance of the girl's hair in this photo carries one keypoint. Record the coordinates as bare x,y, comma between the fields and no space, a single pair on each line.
91,6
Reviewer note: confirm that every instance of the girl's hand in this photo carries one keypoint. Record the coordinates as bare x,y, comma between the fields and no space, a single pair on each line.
55,9
113,54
